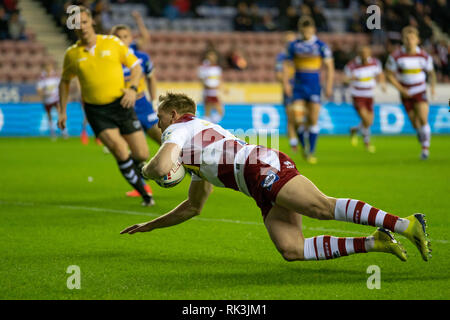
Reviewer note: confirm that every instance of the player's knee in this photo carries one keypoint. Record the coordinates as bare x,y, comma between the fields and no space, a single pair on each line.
141,155
324,209
292,254
119,152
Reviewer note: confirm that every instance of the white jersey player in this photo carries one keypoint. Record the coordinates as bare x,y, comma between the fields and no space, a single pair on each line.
361,73
406,70
210,73
216,157
47,88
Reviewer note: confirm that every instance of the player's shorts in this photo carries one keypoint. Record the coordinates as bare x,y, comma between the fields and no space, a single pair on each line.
145,113
110,116
48,106
363,103
409,103
264,181
211,100
308,93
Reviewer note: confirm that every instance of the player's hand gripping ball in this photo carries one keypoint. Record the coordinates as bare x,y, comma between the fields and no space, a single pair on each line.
174,177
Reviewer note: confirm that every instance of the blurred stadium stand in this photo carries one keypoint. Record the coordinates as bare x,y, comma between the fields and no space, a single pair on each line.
181,30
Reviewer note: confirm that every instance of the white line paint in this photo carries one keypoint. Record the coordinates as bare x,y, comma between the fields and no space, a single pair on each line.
150,214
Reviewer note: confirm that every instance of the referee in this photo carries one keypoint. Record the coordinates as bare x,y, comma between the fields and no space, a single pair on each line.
96,60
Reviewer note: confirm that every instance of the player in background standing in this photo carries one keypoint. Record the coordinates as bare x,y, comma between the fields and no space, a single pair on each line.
210,73
361,73
47,89
295,113
143,107
407,70
214,156
307,55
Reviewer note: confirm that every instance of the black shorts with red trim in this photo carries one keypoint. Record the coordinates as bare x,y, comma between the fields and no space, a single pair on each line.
264,181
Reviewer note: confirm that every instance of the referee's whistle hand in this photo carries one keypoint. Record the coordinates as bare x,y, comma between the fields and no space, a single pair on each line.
128,99
62,121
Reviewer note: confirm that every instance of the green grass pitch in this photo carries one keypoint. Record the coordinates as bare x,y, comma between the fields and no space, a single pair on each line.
52,216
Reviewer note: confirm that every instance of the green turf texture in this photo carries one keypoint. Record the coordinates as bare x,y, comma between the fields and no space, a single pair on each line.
52,217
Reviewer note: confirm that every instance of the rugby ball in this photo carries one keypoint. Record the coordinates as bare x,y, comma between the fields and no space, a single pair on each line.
174,177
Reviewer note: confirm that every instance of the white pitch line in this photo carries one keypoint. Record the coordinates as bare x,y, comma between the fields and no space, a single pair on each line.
137,213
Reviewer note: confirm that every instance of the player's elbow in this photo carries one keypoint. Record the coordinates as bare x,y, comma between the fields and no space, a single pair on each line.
195,209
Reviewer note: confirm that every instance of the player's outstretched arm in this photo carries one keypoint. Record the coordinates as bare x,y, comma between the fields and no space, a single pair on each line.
191,207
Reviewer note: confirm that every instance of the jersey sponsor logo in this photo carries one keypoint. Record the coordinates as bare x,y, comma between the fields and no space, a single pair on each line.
271,178
105,53
289,165
166,135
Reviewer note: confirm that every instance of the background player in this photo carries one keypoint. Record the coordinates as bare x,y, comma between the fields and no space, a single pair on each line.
307,54
143,107
210,73
272,180
407,69
361,73
294,113
47,89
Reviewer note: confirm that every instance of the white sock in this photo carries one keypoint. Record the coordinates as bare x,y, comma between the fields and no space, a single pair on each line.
328,247
366,134
425,133
293,142
359,212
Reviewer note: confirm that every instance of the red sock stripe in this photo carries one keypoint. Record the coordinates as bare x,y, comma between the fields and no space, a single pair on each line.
358,210
315,248
359,244
327,247
372,216
346,208
389,221
341,247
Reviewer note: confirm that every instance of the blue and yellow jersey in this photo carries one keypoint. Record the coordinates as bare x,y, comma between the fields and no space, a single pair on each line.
281,57
307,56
147,69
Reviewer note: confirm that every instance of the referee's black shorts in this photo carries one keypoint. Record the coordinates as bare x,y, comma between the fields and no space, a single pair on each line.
110,116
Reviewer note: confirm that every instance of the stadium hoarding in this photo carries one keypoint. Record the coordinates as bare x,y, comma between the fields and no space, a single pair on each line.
29,119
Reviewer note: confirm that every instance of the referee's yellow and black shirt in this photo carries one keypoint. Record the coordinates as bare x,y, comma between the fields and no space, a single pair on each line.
99,69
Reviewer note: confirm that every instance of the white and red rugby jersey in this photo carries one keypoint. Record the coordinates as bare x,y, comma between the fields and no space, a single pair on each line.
411,68
365,75
210,76
49,83
214,154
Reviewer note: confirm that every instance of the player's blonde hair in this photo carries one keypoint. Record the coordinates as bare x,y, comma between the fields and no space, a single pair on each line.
85,10
177,101
119,27
410,29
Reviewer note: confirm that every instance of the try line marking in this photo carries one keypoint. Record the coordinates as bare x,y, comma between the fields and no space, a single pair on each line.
150,214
